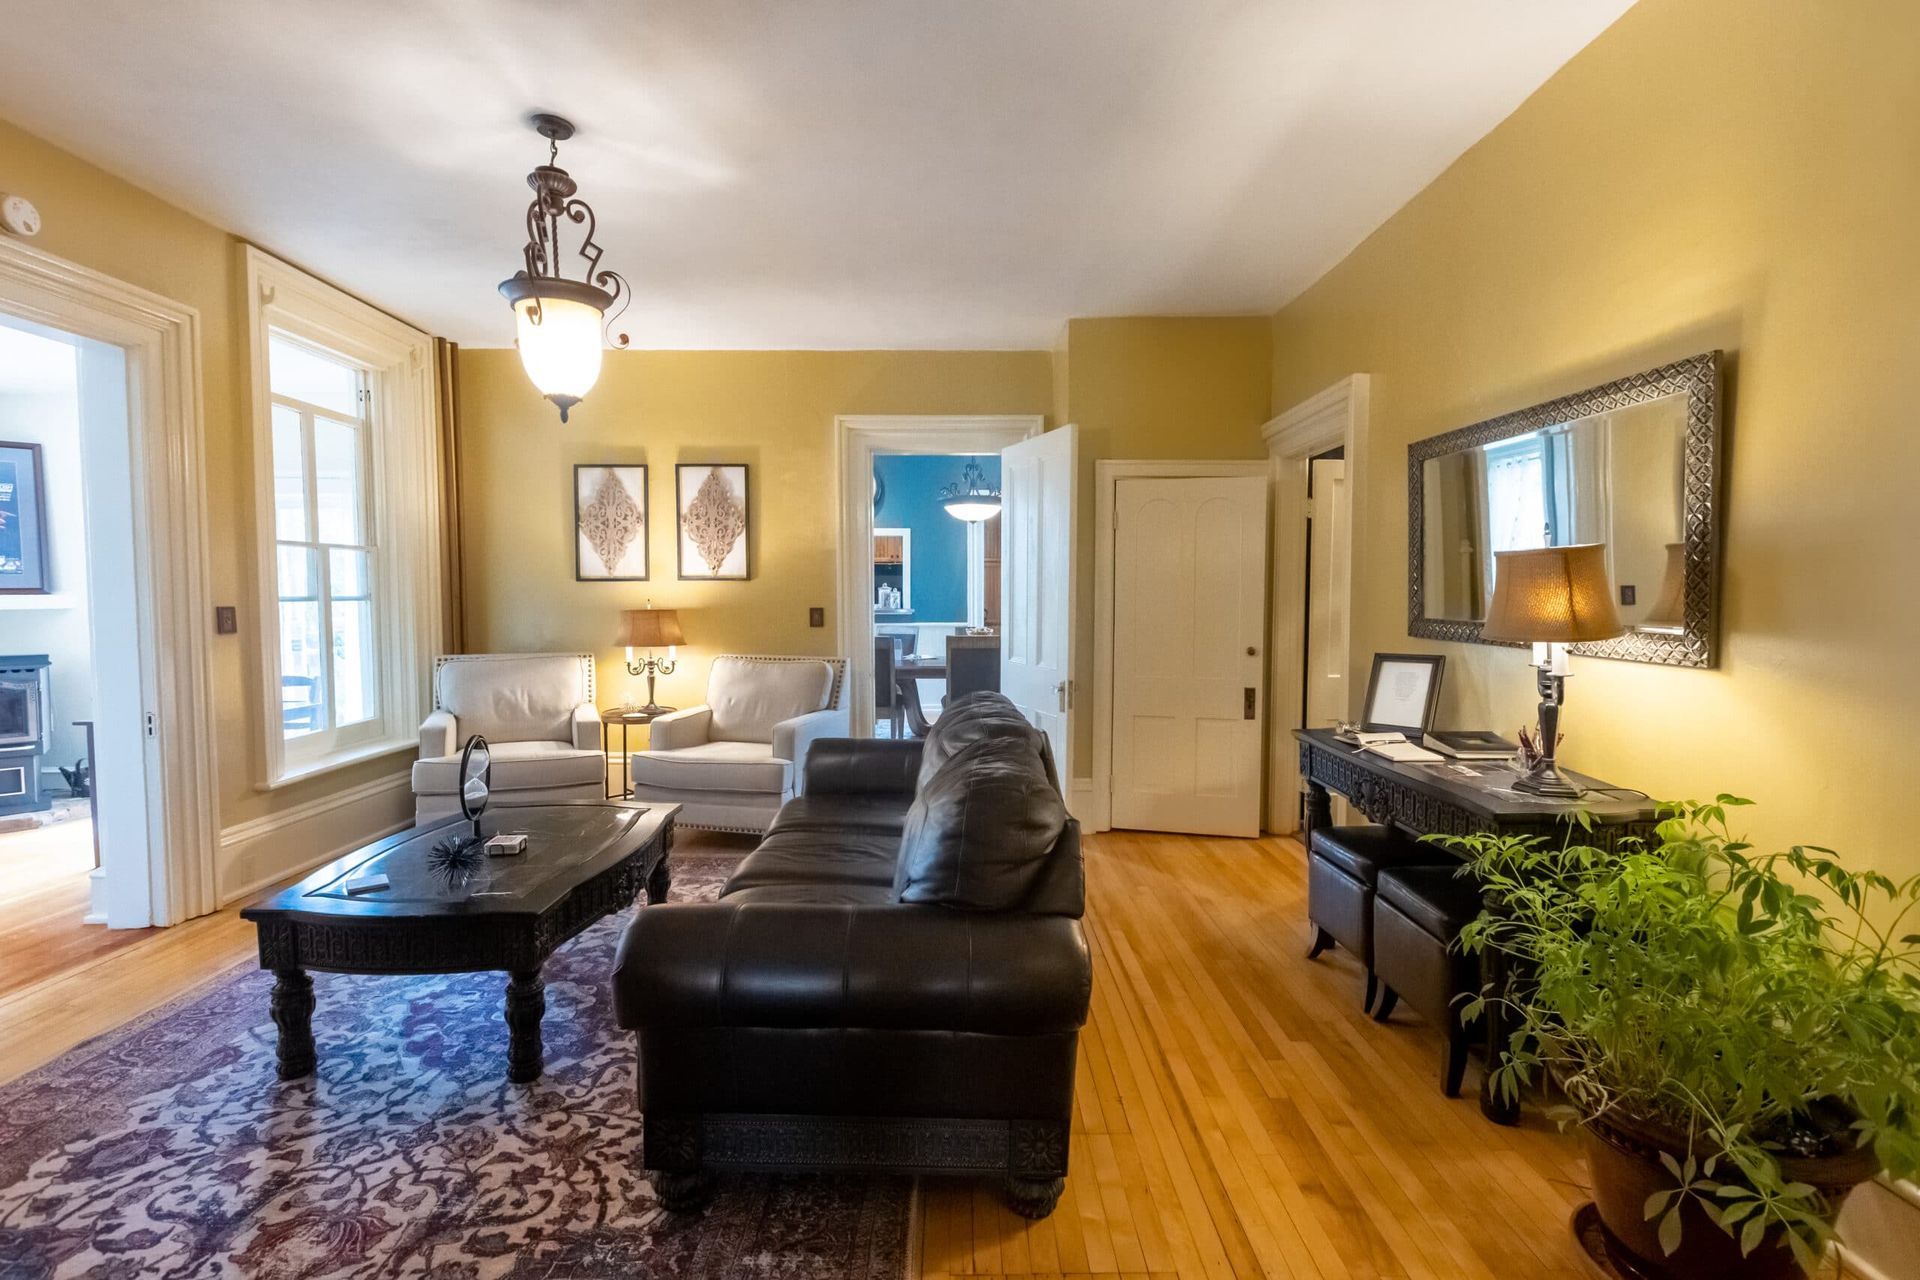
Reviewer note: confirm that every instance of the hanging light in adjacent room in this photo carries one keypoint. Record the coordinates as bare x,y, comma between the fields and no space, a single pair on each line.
559,322
972,499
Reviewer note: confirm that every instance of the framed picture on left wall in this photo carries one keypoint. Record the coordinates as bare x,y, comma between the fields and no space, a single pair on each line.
609,523
23,521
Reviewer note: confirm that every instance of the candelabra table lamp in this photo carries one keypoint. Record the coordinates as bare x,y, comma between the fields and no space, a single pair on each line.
650,629
1551,597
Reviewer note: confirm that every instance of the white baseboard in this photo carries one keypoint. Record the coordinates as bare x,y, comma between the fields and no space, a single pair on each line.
96,897
262,851
1084,804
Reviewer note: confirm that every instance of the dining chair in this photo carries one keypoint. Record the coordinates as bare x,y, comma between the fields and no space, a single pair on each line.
973,664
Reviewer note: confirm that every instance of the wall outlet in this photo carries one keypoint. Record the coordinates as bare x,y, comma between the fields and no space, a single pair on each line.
1626,593
226,620
816,617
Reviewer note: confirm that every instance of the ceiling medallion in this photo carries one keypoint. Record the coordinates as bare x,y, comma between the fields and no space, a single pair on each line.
559,322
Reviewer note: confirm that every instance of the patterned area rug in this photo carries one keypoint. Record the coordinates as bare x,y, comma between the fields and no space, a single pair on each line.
168,1148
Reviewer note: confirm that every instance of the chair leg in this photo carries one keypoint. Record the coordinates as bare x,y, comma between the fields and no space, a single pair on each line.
1373,989
1388,999
1456,1062
1320,942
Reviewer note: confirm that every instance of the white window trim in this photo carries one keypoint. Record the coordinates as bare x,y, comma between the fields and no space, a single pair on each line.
404,511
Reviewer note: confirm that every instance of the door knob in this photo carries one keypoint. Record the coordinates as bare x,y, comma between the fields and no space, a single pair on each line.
1250,651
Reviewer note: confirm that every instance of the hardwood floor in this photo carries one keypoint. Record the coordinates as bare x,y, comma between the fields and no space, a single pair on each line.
1236,1114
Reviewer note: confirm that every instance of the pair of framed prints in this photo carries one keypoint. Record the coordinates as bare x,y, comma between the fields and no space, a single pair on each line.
611,523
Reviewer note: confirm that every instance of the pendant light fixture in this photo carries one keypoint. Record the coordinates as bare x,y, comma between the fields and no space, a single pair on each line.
559,322
972,499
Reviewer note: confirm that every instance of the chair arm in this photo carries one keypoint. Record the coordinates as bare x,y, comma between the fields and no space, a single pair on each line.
586,728
880,966
439,735
792,739
862,767
679,730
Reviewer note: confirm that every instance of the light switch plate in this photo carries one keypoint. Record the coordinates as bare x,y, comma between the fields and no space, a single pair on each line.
816,617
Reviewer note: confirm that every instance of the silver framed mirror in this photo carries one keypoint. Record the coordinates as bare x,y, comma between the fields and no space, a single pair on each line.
1634,464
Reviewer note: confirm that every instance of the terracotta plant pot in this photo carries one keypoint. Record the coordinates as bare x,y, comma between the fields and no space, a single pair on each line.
1624,1156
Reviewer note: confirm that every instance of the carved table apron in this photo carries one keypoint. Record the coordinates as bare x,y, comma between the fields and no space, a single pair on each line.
585,860
1422,801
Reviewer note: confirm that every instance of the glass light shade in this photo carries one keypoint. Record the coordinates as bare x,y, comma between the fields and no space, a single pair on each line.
561,349
973,510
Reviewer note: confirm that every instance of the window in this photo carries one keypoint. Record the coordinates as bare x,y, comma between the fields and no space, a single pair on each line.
347,454
325,554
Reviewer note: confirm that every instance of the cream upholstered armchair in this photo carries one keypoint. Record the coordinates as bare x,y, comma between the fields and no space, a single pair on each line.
731,762
536,712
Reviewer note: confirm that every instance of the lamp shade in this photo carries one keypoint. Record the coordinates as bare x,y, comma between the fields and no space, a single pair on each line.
560,346
651,629
1552,595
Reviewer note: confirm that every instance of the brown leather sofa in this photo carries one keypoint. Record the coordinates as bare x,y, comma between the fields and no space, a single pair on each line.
894,980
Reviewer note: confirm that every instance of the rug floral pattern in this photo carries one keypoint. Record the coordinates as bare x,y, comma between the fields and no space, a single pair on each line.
169,1149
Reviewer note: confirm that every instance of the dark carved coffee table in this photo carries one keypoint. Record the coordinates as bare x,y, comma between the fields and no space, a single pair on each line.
584,860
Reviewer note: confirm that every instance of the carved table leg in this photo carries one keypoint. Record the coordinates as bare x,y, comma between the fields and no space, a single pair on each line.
293,1015
1034,1197
526,1005
683,1191
659,882
1497,976
1319,809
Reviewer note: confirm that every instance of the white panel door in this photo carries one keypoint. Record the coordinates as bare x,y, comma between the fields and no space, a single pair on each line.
1037,482
1189,611
1327,575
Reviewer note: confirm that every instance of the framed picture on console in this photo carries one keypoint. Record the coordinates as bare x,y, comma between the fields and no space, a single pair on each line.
1402,693
714,541
23,521
609,523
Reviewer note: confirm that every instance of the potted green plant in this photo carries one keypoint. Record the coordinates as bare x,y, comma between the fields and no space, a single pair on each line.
1737,1033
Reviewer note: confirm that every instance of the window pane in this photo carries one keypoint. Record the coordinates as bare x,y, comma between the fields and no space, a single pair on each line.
349,575
302,680
289,476
354,683
336,480
305,374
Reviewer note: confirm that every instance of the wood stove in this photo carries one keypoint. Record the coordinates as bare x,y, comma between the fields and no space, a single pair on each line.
25,732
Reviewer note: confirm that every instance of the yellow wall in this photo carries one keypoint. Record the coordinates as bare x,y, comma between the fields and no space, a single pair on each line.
99,221
773,410
1154,387
1741,174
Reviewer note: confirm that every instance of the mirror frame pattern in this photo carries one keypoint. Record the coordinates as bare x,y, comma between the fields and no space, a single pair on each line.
1697,378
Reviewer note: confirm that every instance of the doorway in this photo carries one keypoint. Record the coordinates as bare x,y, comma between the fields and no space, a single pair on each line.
66,595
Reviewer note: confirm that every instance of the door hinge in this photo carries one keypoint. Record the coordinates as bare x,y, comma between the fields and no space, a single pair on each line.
1063,691
153,726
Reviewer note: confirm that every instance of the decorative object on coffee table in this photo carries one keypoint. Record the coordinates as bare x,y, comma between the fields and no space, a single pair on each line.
585,860
1551,597
610,523
714,535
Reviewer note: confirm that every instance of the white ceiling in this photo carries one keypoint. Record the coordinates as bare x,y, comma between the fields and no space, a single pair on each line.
797,173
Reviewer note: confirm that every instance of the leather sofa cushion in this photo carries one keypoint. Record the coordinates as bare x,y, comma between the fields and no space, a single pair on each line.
982,829
833,812
714,766
517,766
975,718
1363,852
1438,899
748,697
818,857
817,893
517,698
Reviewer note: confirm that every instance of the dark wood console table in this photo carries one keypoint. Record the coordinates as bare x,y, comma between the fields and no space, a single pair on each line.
1432,799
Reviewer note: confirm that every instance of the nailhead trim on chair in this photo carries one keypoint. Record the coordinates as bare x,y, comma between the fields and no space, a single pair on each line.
446,659
839,666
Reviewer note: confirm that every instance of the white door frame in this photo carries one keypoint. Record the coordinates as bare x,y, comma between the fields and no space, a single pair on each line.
856,439
1107,474
1335,418
161,339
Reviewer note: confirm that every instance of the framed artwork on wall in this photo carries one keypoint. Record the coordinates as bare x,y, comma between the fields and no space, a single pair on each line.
712,502
23,521
609,523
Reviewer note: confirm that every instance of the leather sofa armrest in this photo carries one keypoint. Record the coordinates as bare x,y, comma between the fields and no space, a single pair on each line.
793,739
678,730
879,967
439,735
586,728
862,766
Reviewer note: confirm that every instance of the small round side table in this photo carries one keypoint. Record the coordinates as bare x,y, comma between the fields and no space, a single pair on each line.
625,718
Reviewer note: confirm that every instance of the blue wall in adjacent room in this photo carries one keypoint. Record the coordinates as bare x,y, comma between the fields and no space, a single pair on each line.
912,501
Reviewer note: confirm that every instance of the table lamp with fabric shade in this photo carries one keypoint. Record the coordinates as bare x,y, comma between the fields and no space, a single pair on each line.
650,629
1551,597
